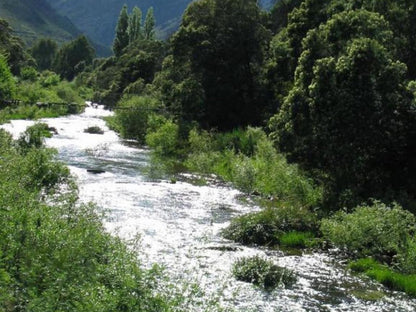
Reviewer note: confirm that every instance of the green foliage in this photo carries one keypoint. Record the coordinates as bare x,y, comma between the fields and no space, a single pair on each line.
262,272
377,230
122,37
149,25
48,79
7,83
132,116
72,56
134,27
218,64
13,48
248,159
348,113
296,239
33,136
44,52
386,276
268,226
47,260
162,136
94,130
48,88
29,73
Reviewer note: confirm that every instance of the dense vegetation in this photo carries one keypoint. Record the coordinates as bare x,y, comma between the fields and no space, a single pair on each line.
331,84
47,260
310,105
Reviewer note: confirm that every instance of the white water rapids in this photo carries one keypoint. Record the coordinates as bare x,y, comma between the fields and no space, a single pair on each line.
179,226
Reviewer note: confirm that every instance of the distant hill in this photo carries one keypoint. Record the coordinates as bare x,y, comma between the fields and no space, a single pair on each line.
98,18
33,19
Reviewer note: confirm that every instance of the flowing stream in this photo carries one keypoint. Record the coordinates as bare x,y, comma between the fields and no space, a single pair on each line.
179,225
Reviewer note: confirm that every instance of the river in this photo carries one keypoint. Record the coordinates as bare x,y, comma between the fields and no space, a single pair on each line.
178,225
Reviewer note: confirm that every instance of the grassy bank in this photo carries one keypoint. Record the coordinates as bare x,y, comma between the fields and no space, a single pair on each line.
292,216
33,87
54,252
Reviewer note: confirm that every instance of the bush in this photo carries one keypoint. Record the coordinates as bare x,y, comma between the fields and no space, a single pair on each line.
269,225
34,136
49,79
7,83
54,253
94,130
163,136
132,116
249,159
263,273
376,230
29,73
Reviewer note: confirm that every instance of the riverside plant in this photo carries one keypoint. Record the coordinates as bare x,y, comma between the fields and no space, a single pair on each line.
263,273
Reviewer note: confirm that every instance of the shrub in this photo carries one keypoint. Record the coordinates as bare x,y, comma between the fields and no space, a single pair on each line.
376,230
249,159
34,135
54,253
262,272
49,78
7,83
269,225
29,73
132,116
162,136
94,130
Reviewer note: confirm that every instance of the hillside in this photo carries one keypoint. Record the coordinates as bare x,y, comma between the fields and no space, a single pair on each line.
32,19
98,18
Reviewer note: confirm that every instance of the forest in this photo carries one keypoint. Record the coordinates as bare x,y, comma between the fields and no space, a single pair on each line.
310,108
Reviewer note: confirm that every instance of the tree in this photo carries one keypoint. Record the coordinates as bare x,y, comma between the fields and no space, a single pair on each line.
220,45
7,83
349,113
134,28
13,48
122,37
149,25
44,52
73,56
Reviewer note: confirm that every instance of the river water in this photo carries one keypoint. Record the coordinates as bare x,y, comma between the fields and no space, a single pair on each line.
179,225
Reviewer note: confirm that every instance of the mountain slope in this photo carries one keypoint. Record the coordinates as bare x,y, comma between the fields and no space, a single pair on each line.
33,19
98,18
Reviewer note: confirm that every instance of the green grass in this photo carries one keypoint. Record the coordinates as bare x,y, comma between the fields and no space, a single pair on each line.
296,239
269,226
385,275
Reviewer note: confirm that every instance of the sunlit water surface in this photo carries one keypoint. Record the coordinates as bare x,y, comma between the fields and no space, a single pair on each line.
179,227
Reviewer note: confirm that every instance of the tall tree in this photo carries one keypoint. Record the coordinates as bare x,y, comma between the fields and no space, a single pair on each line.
13,48
149,25
44,52
122,37
349,113
135,23
7,83
220,45
73,56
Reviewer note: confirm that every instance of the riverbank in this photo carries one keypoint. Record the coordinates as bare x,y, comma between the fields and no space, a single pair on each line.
294,215
54,251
